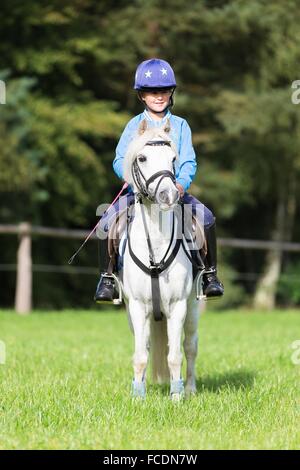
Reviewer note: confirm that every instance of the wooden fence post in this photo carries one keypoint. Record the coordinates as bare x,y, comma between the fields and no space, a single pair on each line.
23,301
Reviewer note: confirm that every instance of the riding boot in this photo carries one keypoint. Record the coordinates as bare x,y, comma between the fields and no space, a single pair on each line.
212,287
106,285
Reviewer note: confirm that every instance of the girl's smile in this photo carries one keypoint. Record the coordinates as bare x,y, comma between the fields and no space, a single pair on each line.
157,101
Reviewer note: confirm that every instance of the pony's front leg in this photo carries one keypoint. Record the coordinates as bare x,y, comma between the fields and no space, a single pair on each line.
175,326
190,345
141,328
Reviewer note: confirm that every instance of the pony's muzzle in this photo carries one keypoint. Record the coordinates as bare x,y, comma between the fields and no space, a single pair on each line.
168,197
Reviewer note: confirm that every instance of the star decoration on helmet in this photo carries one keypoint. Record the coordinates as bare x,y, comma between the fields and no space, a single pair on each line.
148,74
164,71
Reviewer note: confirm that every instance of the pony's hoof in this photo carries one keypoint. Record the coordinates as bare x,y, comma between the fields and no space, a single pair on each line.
177,397
190,392
138,390
177,390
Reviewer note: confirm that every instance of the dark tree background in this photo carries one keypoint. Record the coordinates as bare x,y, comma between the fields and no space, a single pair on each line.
69,69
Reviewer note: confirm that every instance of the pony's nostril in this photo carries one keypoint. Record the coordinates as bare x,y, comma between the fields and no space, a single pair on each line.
164,197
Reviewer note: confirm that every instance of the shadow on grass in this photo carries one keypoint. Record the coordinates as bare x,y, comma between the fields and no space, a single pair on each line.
241,379
236,380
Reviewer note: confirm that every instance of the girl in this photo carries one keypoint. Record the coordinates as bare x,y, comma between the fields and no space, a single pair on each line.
155,84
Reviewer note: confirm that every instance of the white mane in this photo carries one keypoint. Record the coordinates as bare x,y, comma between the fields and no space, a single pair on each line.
138,143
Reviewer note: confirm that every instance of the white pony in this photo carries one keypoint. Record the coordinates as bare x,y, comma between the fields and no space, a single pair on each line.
149,169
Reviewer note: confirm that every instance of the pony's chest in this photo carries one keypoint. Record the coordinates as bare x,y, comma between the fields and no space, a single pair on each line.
175,282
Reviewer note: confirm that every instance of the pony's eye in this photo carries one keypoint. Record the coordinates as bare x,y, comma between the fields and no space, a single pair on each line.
174,159
142,158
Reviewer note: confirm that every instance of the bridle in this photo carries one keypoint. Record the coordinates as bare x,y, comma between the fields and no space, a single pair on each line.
140,180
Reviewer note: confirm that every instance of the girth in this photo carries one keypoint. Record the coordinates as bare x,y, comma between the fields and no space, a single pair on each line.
154,271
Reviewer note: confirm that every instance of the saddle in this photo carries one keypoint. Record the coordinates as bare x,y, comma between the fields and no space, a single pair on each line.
193,234
115,233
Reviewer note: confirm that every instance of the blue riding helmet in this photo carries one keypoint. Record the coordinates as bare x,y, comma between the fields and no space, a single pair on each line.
154,73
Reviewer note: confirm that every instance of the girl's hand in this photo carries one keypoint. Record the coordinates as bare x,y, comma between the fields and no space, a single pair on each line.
180,189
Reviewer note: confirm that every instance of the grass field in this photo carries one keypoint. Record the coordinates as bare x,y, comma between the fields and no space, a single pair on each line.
66,385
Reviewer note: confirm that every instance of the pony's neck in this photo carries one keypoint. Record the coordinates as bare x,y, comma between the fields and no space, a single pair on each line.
159,226
159,223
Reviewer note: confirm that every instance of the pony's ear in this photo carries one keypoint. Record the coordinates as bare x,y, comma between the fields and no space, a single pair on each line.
167,126
143,127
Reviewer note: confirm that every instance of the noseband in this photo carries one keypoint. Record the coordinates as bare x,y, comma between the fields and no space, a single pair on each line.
142,183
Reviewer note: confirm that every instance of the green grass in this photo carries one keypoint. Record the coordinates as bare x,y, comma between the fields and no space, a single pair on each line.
66,385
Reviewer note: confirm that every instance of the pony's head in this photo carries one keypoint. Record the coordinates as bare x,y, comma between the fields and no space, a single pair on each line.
149,165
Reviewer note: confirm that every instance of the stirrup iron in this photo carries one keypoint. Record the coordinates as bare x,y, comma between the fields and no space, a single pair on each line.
119,300
199,285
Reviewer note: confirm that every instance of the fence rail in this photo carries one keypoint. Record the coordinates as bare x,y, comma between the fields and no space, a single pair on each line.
27,229
259,244
24,267
247,244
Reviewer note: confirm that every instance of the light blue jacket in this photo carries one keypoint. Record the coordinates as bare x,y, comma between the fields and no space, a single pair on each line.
181,136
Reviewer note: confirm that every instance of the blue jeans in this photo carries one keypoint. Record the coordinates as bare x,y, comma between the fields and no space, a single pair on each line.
203,214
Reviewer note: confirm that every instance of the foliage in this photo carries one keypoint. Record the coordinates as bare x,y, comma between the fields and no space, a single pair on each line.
289,285
235,293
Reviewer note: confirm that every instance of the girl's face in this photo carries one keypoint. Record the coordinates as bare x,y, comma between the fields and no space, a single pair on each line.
156,100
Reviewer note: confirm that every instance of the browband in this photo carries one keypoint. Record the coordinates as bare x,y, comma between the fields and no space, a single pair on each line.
159,142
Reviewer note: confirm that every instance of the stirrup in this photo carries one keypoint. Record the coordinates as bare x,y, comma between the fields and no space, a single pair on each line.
199,285
119,300
115,301
214,283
